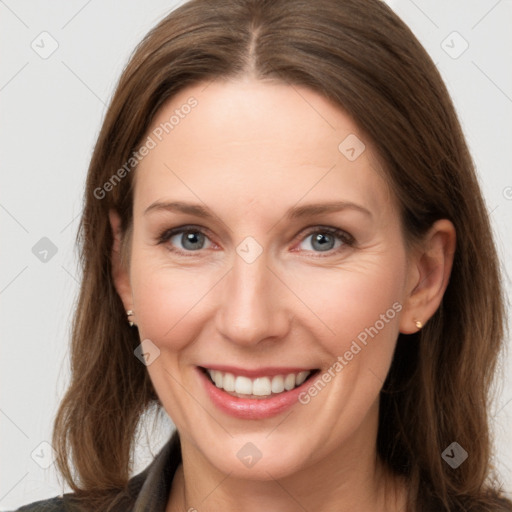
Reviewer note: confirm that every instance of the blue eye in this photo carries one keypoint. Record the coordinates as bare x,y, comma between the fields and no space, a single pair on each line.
185,239
190,240
326,239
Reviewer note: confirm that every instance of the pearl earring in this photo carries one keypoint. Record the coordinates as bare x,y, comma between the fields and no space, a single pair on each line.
129,313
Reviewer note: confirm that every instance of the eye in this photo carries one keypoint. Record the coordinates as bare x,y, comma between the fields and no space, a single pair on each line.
185,239
189,239
324,239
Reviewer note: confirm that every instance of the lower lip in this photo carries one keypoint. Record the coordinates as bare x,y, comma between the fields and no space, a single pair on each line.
251,409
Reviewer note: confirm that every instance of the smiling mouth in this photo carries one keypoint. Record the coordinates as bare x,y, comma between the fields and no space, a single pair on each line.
260,387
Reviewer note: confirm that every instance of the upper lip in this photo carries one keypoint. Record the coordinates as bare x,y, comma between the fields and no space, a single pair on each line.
264,371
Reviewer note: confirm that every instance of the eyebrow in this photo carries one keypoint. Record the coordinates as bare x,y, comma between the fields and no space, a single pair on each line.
293,213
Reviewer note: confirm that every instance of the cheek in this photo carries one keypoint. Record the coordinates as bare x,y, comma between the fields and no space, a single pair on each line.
357,310
361,306
168,300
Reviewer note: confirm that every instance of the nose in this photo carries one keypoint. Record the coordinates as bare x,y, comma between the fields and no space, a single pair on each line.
253,306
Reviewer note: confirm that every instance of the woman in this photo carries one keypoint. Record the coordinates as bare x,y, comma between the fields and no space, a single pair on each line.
285,247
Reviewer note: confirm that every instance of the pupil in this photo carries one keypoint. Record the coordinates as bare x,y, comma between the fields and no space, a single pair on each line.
191,240
325,242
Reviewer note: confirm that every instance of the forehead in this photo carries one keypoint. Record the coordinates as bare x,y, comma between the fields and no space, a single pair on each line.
258,143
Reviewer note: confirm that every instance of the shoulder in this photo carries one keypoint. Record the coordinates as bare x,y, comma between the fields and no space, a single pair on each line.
147,490
57,504
121,500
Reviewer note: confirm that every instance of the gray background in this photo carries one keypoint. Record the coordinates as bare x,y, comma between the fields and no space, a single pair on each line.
51,111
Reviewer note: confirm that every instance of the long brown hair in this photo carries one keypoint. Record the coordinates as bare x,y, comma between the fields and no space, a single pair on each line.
363,57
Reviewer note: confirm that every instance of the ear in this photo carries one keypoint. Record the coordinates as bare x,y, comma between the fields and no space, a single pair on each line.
120,272
430,269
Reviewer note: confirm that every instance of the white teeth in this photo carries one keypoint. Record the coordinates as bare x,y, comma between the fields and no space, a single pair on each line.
301,377
278,384
243,385
289,381
261,386
228,382
217,378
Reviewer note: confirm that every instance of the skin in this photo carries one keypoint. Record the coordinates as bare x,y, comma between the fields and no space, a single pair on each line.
249,152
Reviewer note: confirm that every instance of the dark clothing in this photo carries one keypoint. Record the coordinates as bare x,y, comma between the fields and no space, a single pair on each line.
147,491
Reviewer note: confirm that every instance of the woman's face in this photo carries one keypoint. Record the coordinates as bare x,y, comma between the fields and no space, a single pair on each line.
265,244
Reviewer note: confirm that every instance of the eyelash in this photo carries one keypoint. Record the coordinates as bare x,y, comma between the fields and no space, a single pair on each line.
346,238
